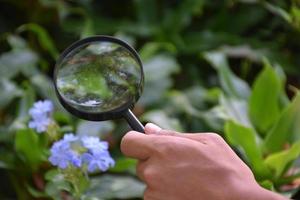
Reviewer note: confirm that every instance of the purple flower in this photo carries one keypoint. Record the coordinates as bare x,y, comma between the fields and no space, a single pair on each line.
76,151
61,154
93,144
70,137
40,114
40,124
100,160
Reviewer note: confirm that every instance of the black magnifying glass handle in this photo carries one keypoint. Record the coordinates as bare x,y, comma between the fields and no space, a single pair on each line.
133,122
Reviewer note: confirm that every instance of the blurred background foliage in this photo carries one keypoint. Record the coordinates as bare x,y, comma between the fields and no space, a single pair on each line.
228,66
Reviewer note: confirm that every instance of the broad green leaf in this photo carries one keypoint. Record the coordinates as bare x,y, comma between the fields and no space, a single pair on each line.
231,83
16,42
279,162
158,71
182,103
264,99
55,184
9,91
26,102
124,165
53,175
29,148
236,110
278,11
53,189
150,49
13,62
115,187
43,37
243,51
246,139
286,129
161,118
215,118
44,86
36,193
88,28
267,184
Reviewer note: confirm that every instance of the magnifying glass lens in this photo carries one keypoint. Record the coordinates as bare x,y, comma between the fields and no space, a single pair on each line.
99,76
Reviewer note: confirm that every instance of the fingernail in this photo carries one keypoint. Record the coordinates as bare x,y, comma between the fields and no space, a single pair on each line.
152,128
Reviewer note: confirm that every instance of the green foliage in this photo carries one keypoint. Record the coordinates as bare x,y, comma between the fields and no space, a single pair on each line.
279,162
30,147
227,66
286,129
246,139
263,103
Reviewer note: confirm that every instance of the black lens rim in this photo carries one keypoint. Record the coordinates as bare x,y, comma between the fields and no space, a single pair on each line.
115,113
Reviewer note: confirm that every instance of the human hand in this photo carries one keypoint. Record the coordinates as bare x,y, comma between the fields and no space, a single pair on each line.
178,166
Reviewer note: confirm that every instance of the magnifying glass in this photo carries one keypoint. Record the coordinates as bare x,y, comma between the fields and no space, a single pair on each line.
100,78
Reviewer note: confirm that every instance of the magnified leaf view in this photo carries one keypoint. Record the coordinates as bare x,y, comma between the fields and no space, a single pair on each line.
99,77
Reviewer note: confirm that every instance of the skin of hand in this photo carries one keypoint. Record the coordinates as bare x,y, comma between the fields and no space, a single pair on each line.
201,166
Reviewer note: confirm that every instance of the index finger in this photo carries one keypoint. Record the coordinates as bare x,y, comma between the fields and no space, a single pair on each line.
136,145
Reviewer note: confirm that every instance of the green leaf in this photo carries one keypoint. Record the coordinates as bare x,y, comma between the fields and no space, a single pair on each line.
236,110
161,118
267,184
215,118
246,139
13,62
182,103
286,129
156,84
56,183
279,162
16,42
9,91
150,49
35,193
232,84
44,86
264,100
26,102
29,148
278,11
43,37
124,164
115,187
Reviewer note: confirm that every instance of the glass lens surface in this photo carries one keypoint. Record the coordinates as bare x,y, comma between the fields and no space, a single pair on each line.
98,77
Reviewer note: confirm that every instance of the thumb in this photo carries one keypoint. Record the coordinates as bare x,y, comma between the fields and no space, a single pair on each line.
136,145
151,128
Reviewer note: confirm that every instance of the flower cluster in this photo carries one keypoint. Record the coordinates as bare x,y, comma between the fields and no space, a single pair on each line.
80,152
40,114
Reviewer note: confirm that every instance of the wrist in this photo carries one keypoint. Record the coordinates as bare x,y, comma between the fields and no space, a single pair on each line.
256,192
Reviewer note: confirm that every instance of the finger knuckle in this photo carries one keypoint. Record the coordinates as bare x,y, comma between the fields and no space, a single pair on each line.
125,143
214,137
150,175
166,148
